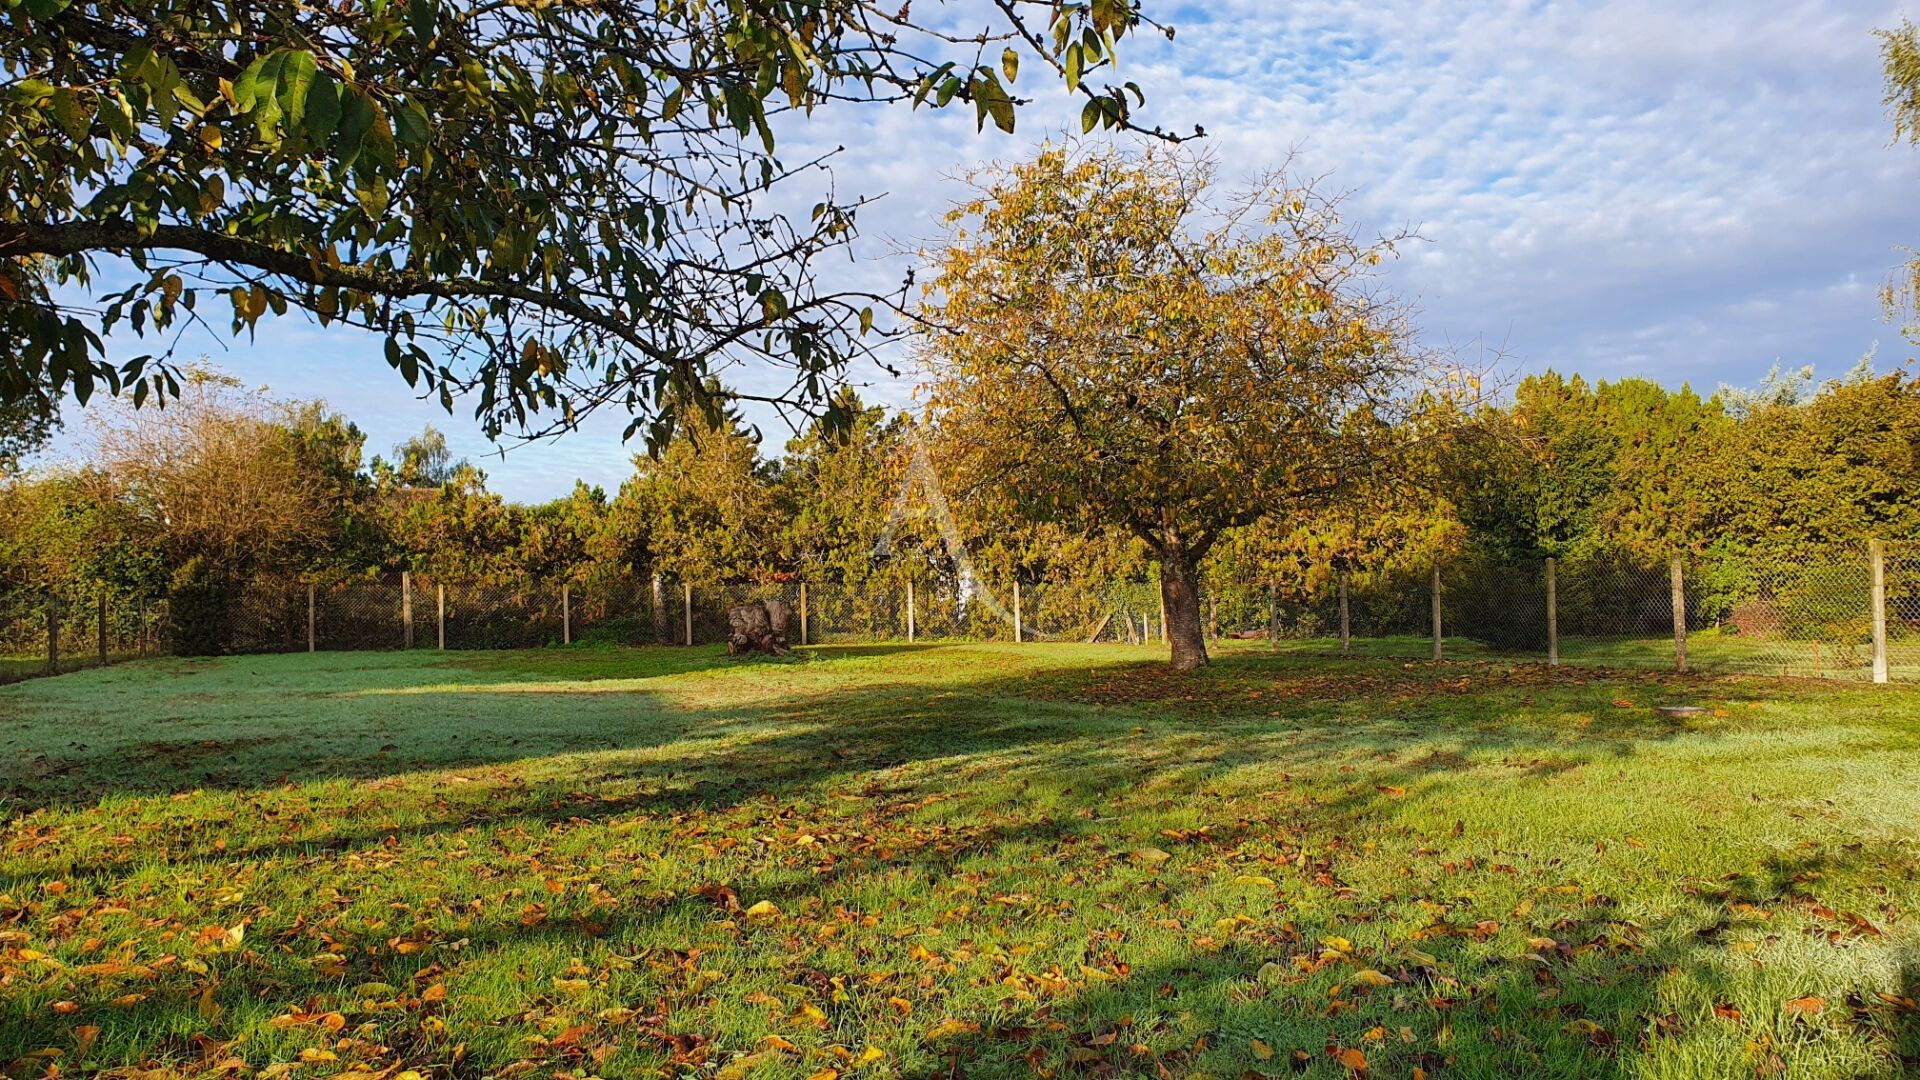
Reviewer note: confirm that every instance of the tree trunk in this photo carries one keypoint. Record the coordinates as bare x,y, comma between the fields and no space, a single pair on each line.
1180,592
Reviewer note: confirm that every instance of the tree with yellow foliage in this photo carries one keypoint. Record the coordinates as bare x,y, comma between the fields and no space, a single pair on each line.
1113,340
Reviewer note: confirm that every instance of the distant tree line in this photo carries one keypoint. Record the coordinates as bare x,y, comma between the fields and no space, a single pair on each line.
229,484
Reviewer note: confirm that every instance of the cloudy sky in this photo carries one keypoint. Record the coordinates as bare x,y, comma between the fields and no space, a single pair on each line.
1614,188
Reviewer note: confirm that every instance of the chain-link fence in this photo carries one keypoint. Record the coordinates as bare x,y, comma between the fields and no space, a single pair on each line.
1851,612
46,634
1796,615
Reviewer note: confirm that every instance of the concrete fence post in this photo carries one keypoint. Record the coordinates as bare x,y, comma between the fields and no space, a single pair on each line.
1019,628
312,642
686,595
803,613
1439,650
1553,614
1877,554
1679,578
440,617
910,612
566,614
406,609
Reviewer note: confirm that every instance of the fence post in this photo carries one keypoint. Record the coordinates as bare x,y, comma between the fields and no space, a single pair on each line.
440,617
406,609
803,613
53,634
1019,629
1163,614
1346,619
1439,650
1553,615
566,614
100,625
1273,614
1877,552
1679,614
686,590
910,612
311,644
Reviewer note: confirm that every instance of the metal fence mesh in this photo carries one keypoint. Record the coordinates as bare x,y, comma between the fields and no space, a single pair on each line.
1795,615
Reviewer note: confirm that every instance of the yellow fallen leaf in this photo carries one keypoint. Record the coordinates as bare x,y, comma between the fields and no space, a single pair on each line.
868,1056
1261,1050
1352,1059
1370,977
826,1074
1337,944
901,1005
777,1042
763,909
946,1029
1254,879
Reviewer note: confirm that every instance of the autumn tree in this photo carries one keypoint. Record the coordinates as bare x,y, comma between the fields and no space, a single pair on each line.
230,476
1900,56
706,502
547,206
1116,342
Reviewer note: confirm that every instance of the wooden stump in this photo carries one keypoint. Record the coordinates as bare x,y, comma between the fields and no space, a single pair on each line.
759,627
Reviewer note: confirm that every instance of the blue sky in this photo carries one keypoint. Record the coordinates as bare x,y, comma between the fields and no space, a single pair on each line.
1687,192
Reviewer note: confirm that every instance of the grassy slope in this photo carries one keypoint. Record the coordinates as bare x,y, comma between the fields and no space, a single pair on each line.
999,858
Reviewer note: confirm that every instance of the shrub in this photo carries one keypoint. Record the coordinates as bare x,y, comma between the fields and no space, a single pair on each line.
197,609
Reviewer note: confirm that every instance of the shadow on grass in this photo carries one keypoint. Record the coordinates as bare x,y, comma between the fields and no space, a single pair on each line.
1586,1006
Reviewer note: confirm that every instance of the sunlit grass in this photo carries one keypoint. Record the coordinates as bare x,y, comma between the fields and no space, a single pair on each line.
1013,860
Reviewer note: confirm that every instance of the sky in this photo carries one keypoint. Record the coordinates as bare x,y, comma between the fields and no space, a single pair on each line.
1685,192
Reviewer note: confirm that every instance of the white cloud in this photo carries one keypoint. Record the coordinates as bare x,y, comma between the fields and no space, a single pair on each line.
1631,187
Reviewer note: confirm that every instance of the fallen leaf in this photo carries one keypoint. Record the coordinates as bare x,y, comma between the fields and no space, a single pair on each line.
1804,1006
947,1029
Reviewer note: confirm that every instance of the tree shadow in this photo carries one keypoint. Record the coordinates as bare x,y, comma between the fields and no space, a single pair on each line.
590,756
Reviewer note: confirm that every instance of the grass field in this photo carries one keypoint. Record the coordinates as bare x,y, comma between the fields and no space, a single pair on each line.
971,860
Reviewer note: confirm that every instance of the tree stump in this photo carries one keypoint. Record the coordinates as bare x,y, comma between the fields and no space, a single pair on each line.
759,627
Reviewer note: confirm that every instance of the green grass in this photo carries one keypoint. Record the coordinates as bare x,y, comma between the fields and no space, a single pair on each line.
978,860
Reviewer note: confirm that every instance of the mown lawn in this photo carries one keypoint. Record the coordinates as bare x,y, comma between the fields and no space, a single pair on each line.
968,860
